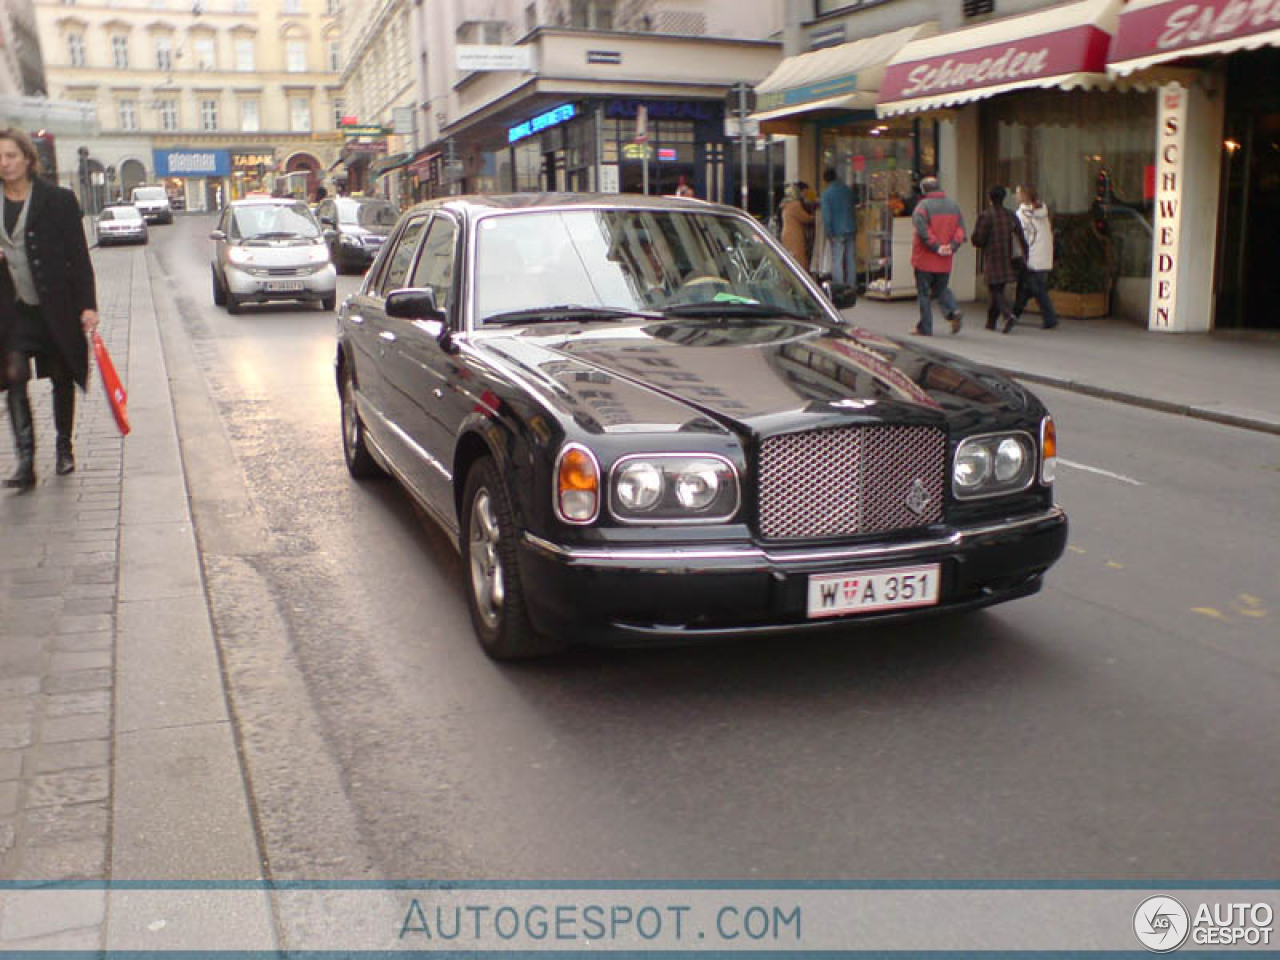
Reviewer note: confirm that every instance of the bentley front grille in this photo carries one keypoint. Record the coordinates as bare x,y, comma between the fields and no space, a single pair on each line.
851,480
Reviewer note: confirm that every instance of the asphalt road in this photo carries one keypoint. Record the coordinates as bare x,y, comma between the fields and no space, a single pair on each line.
1119,725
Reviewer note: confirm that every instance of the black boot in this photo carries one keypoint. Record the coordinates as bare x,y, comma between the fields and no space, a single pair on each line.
64,415
24,439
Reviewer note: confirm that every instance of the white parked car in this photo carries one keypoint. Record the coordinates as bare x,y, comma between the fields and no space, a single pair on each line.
121,223
271,248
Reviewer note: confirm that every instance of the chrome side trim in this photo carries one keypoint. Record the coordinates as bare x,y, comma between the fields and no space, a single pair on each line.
752,554
367,409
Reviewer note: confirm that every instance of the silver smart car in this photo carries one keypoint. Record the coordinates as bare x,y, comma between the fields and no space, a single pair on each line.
270,248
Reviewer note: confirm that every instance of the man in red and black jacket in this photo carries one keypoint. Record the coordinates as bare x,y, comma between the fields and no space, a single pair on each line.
939,233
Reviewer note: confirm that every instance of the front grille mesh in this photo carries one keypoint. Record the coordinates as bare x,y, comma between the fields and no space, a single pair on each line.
850,480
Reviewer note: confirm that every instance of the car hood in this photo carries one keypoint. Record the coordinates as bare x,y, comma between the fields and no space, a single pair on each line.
356,230
752,376
281,253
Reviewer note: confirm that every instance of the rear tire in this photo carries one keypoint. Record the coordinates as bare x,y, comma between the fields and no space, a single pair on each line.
355,451
495,593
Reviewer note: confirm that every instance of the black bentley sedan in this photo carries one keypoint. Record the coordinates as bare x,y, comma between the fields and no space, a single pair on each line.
639,419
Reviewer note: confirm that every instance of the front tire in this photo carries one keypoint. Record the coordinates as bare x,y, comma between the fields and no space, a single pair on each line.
232,302
329,303
219,293
355,451
495,593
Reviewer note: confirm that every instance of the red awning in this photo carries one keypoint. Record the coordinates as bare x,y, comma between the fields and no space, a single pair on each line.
1063,46
1157,31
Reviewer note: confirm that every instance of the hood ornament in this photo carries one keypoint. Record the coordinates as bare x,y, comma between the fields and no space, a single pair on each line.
918,498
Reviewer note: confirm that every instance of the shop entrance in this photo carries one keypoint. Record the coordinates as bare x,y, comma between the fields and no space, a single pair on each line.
1248,283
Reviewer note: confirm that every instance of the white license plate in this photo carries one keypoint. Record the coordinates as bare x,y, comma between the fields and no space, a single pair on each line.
840,594
282,286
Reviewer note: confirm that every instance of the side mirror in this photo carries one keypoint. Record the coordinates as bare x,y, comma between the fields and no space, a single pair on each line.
329,221
419,305
217,235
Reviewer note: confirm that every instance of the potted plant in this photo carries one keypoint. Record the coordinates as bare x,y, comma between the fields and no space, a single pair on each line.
1080,284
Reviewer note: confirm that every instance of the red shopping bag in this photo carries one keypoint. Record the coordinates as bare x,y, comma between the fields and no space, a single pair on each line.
116,395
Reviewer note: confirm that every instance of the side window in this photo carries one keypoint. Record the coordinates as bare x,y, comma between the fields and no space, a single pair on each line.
401,258
435,266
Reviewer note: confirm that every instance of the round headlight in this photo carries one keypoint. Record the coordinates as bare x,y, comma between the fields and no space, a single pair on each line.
639,485
973,465
697,487
1011,458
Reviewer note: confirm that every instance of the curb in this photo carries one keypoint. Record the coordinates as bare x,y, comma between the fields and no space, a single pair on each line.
1150,403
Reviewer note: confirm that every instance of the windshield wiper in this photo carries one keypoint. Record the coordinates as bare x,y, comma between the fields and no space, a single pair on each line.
566,311
730,308
278,235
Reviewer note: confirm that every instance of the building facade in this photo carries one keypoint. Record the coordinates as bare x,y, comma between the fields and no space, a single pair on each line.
379,97
587,94
1139,123
214,99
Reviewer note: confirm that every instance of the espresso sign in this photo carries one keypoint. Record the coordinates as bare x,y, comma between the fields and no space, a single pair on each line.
1170,169
1024,61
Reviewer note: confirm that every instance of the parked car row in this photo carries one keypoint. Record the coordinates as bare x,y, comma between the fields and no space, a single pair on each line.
638,419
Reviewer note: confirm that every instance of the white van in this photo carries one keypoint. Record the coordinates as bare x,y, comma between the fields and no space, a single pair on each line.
154,204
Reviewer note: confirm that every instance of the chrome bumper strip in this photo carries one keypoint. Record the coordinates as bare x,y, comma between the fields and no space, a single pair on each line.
630,556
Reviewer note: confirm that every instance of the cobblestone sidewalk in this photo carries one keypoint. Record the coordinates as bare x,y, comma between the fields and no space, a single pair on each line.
58,576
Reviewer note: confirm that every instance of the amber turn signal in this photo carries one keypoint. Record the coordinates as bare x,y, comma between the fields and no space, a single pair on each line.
1048,451
577,485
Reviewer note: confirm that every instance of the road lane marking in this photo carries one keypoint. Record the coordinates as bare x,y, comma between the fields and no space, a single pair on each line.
1210,612
1102,473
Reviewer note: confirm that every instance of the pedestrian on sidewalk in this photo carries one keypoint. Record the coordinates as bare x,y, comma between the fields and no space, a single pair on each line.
939,232
1038,229
838,226
797,221
47,300
998,234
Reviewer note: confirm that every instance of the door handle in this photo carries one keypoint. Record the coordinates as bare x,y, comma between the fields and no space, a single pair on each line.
388,336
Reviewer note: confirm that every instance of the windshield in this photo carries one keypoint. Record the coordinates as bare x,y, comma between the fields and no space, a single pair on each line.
149,194
368,215
633,260
121,213
262,221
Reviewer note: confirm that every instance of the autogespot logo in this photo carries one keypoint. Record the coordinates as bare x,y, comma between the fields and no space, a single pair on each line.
1161,923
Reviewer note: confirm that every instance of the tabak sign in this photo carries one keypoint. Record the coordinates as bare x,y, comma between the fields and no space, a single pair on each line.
1171,127
1179,25
1082,48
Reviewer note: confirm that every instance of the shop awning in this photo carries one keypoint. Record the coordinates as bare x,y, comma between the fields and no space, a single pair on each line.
1157,31
843,77
1064,46
393,162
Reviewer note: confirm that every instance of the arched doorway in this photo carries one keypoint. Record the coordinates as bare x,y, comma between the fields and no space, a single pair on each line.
305,163
132,174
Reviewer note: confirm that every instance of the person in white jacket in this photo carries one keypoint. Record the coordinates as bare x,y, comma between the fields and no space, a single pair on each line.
1038,229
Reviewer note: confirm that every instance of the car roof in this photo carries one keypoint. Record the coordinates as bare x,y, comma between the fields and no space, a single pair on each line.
478,204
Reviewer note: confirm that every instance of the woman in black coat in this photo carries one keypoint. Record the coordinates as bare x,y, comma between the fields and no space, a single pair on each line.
47,300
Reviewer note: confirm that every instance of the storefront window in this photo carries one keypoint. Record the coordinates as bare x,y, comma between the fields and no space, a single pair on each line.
1091,156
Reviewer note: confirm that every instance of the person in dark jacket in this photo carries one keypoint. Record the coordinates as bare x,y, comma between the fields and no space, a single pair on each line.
938,233
839,227
998,234
48,301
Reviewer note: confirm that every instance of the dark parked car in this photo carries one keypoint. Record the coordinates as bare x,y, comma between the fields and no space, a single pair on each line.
355,228
637,419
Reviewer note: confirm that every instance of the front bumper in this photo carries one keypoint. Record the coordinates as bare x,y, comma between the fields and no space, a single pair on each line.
121,236
363,255
250,288
742,589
